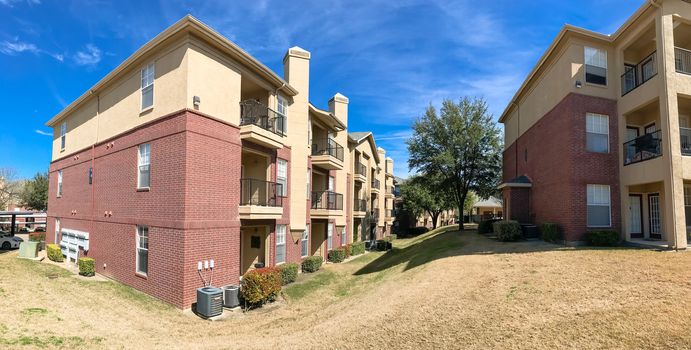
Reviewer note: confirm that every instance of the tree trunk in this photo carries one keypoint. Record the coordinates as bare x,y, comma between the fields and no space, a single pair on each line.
434,216
461,226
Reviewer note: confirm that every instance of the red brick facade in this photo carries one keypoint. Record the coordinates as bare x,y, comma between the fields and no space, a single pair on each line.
552,153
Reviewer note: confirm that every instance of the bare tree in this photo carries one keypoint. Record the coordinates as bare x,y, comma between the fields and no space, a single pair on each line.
10,187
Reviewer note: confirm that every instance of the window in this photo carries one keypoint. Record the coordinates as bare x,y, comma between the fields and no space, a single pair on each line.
304,242
595,66
344,236
282,109
309,188
144,166
147,86
57,231
280,244
687,210
599,207
59,183
63,135
329,236
91,175
282,177
142,249
597,133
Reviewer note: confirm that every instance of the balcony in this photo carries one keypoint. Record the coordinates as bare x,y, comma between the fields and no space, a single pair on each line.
324,203
327,154
260,199
635,76
360,208
376,184
685,135
360,172
682,60
261,125
643,148
374,215
389,191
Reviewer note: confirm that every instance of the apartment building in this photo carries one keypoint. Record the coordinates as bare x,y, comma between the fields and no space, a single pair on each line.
193,151
597,137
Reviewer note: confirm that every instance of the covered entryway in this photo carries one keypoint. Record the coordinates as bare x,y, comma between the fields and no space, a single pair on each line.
318,238
253,246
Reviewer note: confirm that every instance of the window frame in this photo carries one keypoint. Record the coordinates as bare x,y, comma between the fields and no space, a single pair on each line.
63,135
585,65
284,185
304,240
140,165
309,184
139,234
329,237
57,231
59,192
588,116
152,75
282,109
281,243
588,204
344,236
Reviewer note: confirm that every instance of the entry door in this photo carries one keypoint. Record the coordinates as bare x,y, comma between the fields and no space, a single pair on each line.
635,216
252,247
331,183
654,213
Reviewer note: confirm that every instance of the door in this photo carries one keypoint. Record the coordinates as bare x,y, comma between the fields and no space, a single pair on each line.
649,129
331,197
630,148
654,215
635,216
685,134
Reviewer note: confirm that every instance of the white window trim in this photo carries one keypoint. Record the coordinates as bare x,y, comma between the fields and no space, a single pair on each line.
140,164
59,189
57,230
141,88
282,101
609,206
587,132
305,238
137,248
63,135
284,188
606,67
285,250
309,184
344,236
330,237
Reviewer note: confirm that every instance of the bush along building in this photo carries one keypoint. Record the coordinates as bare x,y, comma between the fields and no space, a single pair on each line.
598,136
192,150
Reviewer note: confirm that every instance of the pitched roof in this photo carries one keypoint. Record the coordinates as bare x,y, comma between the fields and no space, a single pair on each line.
490,202
358,137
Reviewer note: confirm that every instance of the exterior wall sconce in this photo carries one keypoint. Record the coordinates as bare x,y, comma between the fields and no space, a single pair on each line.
579,84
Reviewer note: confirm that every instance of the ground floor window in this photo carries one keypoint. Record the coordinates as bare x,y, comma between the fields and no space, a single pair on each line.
280,244
304,242
599,206
57,231
344,236
329,236
142,249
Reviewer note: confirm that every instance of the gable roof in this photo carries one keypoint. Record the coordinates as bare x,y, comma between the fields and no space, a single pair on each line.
568,30
490,202
189,24
326,118
358,137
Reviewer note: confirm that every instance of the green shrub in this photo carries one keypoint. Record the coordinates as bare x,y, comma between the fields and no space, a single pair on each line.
37,237
346,248
486,226
383,245
337,255
550,232
289,272
87,266
604,238
312,263
261,285
357,248
54,253
393,237
416,231
507,231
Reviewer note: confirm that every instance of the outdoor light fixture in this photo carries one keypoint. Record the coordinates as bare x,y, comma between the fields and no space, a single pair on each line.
196,101
579,84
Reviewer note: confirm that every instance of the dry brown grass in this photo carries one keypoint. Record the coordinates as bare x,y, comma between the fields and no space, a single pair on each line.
450,290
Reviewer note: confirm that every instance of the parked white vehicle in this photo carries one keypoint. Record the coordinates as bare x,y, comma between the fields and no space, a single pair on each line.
9,242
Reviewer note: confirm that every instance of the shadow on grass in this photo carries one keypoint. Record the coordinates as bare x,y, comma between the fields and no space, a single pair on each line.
448,242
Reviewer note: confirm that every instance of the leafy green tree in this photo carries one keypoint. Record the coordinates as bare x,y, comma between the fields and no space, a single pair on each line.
34,196
424,194
461,145
470,200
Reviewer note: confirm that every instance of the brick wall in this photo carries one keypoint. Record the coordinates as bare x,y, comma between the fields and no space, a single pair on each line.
552,154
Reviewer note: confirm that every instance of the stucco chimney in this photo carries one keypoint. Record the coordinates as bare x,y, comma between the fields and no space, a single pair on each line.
296,71
338,106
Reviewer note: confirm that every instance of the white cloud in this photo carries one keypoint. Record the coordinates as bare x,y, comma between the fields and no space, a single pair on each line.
89,57
11,3
15,47
44,133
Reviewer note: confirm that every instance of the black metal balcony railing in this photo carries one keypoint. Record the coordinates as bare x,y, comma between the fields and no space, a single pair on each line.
360,205
327,146
642,148
682,60
328,200
375,183
260,192
374,214
361,169
635,76
255,113
685,135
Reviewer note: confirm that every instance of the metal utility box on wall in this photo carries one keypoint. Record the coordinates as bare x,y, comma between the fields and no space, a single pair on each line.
209,301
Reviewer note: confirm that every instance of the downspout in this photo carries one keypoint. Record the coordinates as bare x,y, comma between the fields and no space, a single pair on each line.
93,155
518,132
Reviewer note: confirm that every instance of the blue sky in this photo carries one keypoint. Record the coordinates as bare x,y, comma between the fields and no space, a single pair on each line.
391,58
